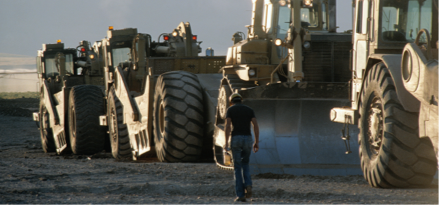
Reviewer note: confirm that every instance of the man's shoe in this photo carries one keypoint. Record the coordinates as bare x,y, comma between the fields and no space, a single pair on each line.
248,192
240,199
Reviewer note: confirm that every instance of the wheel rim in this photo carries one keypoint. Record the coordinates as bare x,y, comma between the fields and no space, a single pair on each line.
375,126
222,103
44,118
44,130
161,118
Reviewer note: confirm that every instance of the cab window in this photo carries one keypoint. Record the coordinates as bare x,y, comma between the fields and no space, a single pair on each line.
310,16
401,21
359,17
39,68
69,64
283,22
51,70
282,29
121,55
51,67
324,20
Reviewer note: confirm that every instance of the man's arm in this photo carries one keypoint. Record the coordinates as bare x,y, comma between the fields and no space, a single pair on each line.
256,131
228,130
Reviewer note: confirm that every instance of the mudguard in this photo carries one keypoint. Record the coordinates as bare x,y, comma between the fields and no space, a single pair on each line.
133,107
393,63
56,122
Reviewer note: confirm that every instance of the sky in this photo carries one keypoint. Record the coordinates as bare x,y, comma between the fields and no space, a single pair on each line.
26,24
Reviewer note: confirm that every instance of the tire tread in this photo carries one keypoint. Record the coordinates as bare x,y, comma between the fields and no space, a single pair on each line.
403,160
121,149
88,103
183,107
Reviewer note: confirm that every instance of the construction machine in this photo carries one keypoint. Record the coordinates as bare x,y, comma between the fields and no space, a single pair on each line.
160,95
394,91
292,68
71,99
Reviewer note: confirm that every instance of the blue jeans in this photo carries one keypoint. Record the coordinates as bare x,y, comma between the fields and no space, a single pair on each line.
241,146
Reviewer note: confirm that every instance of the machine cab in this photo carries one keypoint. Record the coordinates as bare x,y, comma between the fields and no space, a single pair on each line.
255,58
385,27
47,65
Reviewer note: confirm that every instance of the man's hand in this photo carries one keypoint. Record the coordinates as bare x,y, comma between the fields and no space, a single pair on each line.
256,131
255,147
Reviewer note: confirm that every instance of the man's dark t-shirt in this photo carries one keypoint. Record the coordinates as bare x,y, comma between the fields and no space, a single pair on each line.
241,116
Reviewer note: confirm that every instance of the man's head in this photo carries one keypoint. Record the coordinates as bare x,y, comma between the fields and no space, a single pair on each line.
235,98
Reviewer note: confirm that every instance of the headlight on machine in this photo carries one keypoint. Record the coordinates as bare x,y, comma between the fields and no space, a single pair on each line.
307,3
175,33
251,72
282,2
307,45
91,56
278,42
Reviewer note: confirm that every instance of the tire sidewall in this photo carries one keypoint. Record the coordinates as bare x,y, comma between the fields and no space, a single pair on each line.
371,90
45,130
85,105
179,113
372,164
113,123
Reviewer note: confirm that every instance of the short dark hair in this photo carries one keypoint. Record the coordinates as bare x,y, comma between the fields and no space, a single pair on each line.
236,100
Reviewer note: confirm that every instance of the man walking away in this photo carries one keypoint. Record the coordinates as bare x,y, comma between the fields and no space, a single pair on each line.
240,116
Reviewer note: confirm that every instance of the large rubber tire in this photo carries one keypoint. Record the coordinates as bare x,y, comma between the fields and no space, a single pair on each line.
119,138
178,117
392,154
86,104
47,140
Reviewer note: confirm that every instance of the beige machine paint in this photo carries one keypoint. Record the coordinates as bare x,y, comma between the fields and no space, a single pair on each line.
181,54
413,69
422,82
56,102
289,142
295,69
367,50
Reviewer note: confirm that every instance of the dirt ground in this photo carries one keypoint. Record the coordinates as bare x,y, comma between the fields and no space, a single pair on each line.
28,175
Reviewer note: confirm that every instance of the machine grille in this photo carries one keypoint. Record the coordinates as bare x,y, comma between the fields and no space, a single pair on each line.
161,66
327,62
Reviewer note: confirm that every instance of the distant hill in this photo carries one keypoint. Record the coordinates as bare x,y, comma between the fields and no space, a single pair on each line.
13,61
14,55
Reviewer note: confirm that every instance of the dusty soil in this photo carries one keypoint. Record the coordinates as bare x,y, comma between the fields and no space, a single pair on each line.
28,175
